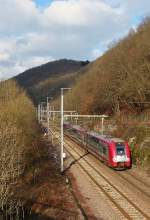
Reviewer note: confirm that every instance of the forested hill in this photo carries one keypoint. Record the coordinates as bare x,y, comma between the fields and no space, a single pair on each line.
119,80
47,79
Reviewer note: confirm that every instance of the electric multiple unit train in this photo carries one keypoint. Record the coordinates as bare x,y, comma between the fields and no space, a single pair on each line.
114,152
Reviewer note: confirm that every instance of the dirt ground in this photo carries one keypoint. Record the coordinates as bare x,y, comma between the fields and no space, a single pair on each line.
45,192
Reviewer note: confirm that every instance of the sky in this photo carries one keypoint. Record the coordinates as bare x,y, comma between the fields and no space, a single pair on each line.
33,32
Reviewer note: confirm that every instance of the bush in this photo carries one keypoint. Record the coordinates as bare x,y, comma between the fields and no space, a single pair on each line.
18,130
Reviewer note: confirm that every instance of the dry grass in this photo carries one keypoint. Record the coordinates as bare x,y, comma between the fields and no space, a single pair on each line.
44,189
18,130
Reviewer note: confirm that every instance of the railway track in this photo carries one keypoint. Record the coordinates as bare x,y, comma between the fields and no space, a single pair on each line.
139,185
137,178
127,209
130,178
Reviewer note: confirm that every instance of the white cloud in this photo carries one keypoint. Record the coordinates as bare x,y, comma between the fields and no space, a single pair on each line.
137,6
17,16
4,56
77,29
35,61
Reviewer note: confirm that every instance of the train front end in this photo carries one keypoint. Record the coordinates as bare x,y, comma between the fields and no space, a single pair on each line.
121,156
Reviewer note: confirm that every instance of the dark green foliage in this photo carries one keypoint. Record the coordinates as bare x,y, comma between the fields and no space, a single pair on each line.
47,79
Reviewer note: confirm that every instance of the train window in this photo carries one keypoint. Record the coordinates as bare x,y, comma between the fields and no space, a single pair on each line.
100,147
120,149
78,135
75,133
93,141
104,150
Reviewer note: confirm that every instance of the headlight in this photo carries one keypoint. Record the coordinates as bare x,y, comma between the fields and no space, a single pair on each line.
127,159
114,159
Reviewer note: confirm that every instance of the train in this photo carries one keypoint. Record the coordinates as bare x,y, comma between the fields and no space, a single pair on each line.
114,152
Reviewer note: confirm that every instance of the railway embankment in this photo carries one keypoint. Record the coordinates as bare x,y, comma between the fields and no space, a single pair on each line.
44,191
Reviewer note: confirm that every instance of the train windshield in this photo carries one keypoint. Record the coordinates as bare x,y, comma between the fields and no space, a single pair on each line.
120,149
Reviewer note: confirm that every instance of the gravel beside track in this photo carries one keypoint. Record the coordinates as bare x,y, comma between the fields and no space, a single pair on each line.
125,205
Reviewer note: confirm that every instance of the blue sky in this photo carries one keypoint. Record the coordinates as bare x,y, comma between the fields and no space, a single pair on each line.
43,3
136,20
44,30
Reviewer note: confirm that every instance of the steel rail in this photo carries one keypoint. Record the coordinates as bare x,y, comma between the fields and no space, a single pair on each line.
97,184
75,197
121,175
125,214
133,184
126,171
104,191
138,179
128,200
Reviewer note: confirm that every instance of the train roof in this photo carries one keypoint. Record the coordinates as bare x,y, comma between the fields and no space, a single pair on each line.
105,137
66,122
77,127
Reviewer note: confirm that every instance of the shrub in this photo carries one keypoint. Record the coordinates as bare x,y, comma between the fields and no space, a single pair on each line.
18,130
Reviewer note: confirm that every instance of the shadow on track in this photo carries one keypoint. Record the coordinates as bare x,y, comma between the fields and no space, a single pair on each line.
74,162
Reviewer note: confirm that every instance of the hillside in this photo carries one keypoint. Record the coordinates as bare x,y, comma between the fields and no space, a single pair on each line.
119,80
118,84
47,79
